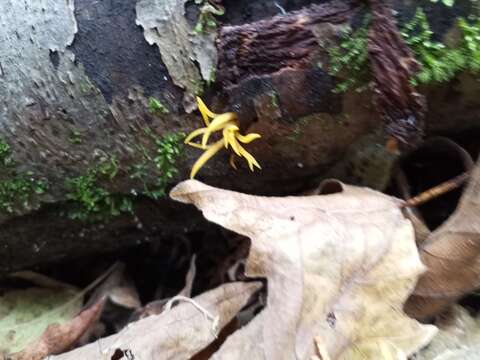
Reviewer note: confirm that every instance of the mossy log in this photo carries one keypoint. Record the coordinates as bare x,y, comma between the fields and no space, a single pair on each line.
76,126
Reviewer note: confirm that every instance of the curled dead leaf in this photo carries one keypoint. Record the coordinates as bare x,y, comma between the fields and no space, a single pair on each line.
452,256
178,333
58,338
118,288
37,322
27,314
339,269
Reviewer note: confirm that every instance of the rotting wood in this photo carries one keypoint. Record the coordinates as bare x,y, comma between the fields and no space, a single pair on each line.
103,96
393,65
284,41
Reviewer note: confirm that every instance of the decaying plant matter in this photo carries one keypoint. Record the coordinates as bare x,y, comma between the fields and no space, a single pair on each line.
393,66
333,262
339,267
268,46
452,256
336,275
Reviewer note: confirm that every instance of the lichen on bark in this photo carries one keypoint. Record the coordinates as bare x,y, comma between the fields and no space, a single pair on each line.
165,25
64,109
45,97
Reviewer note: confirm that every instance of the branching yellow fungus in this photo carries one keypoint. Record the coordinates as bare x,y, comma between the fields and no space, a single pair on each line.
228,124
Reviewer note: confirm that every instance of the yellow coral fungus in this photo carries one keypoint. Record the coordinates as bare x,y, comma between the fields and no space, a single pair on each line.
228,124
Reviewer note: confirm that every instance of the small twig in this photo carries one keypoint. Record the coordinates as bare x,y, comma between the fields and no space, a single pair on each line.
282,10
438,190
214,319
403,185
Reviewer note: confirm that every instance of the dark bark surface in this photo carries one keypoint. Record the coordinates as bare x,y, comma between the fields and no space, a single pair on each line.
89,70
268,46
393,64
114,53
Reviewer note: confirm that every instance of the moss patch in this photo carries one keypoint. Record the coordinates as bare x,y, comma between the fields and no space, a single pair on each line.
156,107
349,60
439,63
17,189
91,201
207,16
75,137
161,162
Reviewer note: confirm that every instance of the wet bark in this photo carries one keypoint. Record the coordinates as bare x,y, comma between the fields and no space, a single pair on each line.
74,85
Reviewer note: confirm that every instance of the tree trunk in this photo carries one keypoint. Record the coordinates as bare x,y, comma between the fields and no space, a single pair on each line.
75,82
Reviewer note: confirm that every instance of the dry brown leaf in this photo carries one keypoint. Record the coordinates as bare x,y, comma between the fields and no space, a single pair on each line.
190,277
122,299
452,256
119,289
58,338
207,353
178,333
36,322
339,268
40,280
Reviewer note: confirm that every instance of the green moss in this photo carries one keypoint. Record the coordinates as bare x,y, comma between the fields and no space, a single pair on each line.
17,192
155,106
297,131
162,163
86,87
207,16
91,201
275,100
212,76
5,154
448,3
349,60
108,167
470,44
198,85
439,63
75,137
16,189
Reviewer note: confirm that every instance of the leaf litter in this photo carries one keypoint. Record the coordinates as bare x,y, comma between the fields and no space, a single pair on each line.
175,334
339,266
452,256
36,322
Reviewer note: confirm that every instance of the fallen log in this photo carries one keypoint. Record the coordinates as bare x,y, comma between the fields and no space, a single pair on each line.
90,89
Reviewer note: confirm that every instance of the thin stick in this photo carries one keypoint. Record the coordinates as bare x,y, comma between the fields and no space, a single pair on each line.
438,190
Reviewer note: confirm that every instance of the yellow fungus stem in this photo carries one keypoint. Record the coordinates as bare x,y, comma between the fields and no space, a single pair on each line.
229,134
206,113
211,150
235,145
250,159
228,124
198,146
220,122
194,134
248,138
232,162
